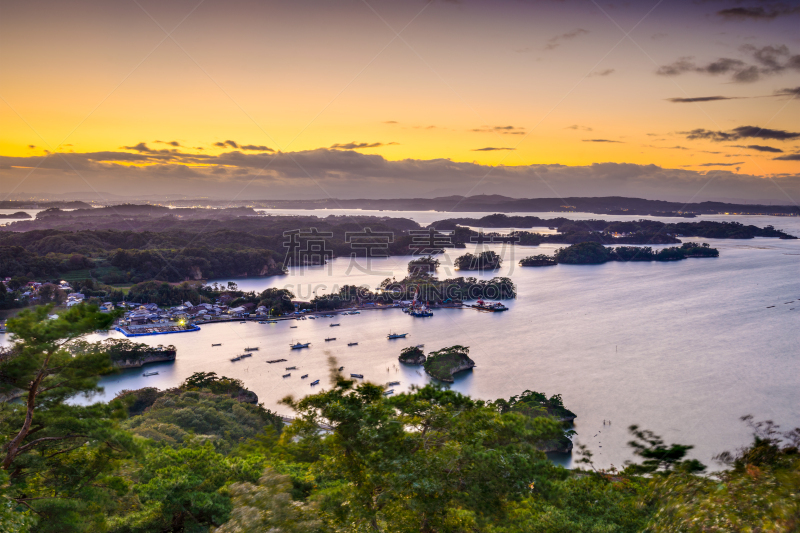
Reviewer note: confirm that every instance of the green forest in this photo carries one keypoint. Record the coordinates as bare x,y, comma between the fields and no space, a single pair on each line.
592,253
205,457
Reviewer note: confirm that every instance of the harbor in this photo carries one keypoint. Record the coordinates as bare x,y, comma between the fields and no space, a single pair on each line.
608,341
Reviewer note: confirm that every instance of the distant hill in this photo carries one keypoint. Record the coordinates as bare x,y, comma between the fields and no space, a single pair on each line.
609,205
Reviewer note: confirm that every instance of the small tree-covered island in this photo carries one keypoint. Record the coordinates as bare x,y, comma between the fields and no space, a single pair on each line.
206,457
593,253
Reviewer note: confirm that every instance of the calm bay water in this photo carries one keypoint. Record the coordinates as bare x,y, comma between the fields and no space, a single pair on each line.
682,348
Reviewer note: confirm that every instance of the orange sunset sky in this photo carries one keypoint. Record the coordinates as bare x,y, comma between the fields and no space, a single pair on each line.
379,98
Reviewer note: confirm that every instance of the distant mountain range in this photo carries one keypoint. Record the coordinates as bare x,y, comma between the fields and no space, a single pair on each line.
609,205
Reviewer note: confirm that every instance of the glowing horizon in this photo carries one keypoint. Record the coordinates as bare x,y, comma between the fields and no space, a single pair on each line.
509,85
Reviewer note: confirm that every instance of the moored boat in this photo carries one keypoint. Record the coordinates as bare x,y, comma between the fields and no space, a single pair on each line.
396,335
150,374
494,307
352,344
361,376
299,345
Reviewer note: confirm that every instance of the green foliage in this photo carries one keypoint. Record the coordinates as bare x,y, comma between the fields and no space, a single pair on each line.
119,349
61,459
423,264
659,458
212,382
587,253
538,260
584,253
430,460
757,493
412,355
177,416
583,503
442,363
182,489
532,403
268,506
487,260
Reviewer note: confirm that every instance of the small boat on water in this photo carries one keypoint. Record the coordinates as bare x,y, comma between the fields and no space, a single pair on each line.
330,339
333,325
237,358
420,345
392,383
495,307
287,375
396,335
220,344
304,376
277,361
315,382
272,321
389,392
291,368
299,345
150,374
246,355
341,368
248,349
261,322
352,344
357,376
243,322
312,317
291,327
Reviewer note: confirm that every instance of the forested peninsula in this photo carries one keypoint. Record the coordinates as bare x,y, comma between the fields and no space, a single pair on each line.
205,457
130,245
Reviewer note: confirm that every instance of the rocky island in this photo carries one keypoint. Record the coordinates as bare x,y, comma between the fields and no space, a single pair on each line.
444,363
536,404
412,355
483,261
538,261
126,354
594,253
18,214
426,264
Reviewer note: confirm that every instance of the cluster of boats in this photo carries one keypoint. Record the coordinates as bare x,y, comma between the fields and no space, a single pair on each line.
418,309
301,345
